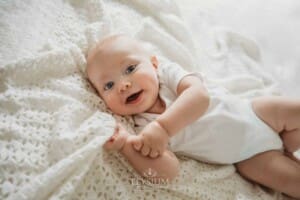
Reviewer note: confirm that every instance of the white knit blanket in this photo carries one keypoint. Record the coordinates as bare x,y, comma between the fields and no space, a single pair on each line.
53,125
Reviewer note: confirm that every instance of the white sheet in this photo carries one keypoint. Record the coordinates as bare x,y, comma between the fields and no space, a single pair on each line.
53,125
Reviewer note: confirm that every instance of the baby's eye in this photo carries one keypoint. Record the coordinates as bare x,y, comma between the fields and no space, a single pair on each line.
130,69
108,85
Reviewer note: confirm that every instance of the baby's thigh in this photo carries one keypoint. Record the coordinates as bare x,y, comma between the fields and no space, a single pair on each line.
272,169
280,113
266,109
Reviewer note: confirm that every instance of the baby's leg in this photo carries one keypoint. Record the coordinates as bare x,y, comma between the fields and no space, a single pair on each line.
282,115
274,170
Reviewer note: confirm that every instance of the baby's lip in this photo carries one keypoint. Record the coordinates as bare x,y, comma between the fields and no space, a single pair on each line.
133,98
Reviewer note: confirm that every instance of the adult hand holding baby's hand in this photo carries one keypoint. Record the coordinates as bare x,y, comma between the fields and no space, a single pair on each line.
152,140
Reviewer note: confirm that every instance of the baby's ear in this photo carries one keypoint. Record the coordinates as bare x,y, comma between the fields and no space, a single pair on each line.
154,61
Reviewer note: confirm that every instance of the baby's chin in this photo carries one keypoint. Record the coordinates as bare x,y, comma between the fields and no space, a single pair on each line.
130,112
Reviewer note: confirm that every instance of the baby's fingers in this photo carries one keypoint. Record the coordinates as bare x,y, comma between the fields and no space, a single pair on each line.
137,143
154,154
109,144
145,150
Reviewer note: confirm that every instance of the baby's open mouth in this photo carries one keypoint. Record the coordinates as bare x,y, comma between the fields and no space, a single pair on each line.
132,98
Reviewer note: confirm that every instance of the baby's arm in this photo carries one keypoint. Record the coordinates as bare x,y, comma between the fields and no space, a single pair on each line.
191,103
164,168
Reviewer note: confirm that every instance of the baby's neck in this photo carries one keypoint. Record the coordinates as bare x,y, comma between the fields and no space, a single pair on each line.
158,107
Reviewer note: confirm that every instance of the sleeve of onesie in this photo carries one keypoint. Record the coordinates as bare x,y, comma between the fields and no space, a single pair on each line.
171,74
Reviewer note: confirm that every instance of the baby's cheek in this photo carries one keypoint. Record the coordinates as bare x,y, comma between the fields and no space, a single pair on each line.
110,101
114,104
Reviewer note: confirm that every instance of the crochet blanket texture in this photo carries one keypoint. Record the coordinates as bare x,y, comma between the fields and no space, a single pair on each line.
53,124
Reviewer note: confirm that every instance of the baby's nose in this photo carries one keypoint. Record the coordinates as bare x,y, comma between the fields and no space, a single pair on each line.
124,86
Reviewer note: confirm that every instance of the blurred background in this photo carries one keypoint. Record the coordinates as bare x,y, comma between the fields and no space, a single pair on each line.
273,24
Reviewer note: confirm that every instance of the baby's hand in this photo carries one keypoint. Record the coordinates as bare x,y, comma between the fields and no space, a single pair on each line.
117,140
152,140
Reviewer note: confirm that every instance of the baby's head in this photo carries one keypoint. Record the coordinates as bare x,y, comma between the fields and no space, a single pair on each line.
124,74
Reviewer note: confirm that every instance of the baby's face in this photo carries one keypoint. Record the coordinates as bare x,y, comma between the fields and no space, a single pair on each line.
124,75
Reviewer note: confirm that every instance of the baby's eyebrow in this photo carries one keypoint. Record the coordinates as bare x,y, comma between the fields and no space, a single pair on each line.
124,62
103,75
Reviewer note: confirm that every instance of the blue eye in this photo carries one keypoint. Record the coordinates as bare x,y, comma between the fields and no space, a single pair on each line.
130,69
108,85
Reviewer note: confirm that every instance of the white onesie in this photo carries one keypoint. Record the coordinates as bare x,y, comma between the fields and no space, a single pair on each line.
227,133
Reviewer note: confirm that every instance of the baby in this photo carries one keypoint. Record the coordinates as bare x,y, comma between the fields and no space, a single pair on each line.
177,110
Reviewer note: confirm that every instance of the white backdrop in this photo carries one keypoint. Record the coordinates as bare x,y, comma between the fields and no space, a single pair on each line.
273,24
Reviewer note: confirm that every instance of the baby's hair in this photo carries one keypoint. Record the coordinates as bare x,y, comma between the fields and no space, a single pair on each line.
101,42
145,47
